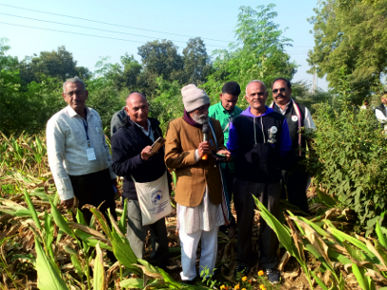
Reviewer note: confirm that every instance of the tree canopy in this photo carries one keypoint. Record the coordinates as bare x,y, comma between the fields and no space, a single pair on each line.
59,64
350,40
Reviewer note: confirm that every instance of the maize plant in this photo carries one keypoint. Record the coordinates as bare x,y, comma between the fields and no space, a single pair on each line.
338,253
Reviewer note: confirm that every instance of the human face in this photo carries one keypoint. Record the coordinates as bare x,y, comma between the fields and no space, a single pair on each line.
200,115
75,95
137,109
228,101
281,93
384,99
256,96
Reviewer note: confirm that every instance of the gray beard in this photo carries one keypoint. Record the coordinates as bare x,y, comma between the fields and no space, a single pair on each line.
200,119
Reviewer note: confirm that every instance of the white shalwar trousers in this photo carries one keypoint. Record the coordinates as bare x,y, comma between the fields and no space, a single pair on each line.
196,224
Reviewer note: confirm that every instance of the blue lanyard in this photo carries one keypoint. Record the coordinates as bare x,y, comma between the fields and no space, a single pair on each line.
86,126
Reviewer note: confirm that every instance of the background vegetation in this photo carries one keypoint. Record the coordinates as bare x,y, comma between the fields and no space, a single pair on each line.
348,160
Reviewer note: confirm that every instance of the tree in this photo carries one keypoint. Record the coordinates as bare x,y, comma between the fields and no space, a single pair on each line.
159,59
258,53
124,75
350,38
59,64
196,61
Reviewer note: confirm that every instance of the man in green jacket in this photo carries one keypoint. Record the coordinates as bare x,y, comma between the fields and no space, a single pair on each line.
225,111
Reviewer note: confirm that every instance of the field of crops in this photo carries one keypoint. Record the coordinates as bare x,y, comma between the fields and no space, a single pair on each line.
42,246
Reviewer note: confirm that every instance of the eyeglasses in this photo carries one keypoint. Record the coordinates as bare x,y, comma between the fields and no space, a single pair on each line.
282,90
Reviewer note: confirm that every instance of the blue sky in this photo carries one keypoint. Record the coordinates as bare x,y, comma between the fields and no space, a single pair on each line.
140,21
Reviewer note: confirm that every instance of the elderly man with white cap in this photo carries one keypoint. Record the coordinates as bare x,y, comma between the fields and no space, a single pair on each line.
194,142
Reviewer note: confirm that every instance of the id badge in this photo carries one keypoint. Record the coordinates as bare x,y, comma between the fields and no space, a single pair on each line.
90,154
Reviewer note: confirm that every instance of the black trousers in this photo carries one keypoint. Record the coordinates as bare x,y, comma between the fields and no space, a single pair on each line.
269,194
295,181
95,189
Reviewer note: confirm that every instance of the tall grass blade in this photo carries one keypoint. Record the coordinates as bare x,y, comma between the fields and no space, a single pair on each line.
360,277
60,221
99,275
48,273
282,232
33,213
382,237
122,221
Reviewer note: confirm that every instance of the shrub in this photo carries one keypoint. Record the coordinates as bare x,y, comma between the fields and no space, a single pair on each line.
350,160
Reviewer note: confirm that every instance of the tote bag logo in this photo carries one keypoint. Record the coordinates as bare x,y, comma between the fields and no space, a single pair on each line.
156,196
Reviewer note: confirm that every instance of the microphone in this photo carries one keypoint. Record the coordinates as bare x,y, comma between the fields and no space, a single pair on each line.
205,129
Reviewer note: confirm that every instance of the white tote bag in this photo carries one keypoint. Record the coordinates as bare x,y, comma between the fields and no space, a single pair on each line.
153,198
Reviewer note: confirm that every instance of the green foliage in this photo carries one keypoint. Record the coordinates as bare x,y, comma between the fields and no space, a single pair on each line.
259,52
168,103
58,64
196,62
105,98
350,39
350,161
159,59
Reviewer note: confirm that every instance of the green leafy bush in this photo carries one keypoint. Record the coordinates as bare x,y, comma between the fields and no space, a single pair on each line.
350,160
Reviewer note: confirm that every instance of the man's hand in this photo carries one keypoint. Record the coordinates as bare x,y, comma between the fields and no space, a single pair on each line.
68,203
146,153
225,153
203,148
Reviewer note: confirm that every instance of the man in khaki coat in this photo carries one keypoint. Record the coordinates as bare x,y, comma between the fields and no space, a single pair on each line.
192,155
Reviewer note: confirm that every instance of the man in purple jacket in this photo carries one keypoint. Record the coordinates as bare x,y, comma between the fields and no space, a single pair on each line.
259,142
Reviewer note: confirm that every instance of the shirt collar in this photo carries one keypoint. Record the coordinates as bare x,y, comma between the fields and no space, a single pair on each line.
73,114
225,111
283,111
146,132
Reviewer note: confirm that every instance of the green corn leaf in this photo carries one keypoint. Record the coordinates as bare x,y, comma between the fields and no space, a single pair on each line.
48,273
49,229
132,283
359,277
122,221
319,282
99,217
33,213
99,275
381,236
341,236
169,280
121,247
74,260
281,231
60,221
80,217
13,208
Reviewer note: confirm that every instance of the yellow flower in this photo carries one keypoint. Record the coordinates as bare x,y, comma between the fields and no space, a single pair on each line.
262,287
237,287
244,279
260,273
223,287
243,288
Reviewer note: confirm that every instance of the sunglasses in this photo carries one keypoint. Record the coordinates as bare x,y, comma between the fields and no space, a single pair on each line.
282,90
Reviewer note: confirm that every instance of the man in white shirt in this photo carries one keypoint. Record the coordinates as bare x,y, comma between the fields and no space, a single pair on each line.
299,119
381,112
78,156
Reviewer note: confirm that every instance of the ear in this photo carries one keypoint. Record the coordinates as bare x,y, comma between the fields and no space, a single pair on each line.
220,96
126,110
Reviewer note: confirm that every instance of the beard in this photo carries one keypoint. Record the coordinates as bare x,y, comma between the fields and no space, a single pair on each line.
200,119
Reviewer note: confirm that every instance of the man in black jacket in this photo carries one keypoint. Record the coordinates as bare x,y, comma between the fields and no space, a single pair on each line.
133,159
298,117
